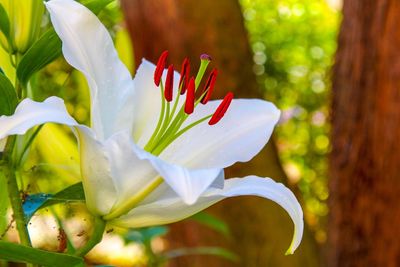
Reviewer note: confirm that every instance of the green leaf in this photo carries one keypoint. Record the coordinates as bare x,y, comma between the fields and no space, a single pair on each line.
41,53
73,193
48,48
214,251
96,5
8,96
4,22
35,202
19,253
212,222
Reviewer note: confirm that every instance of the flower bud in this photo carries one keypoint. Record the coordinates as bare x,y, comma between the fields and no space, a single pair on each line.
25,17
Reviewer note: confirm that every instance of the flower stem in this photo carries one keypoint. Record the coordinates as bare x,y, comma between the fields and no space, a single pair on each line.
97,236
13,192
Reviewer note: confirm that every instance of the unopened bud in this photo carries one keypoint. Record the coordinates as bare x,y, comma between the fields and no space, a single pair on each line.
25,17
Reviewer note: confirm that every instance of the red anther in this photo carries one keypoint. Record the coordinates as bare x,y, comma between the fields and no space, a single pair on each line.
190,97
160,67
169,83
222,108
185,72
209,87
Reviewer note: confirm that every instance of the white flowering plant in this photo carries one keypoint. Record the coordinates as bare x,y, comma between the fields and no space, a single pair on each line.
157,144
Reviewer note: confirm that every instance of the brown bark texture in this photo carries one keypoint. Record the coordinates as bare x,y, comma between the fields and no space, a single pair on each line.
364,165
260,230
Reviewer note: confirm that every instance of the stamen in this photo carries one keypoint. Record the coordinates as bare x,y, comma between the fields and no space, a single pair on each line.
190,97
160,67
185,72
222,108
169,83
209,87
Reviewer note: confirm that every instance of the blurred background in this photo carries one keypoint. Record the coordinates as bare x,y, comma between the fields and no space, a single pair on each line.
338,94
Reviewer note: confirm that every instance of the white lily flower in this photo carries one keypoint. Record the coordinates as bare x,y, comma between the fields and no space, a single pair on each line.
132,178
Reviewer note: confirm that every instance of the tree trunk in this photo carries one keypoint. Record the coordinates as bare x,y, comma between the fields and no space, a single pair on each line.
365,175
261,231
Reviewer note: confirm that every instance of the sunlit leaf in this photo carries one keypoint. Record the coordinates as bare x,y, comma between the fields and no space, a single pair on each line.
55,140
5,64
8,96
18,253
124,47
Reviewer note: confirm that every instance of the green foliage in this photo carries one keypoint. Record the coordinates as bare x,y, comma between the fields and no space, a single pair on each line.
212,222
293,43
19,253
8,96
43,51
4,22
96,5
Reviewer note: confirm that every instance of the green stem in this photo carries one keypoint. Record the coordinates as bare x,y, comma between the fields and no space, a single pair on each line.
13,192
97,236
17,84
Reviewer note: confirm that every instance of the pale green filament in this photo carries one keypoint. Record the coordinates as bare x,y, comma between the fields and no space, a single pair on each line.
202,69
169,123
160,119
166,142
134,200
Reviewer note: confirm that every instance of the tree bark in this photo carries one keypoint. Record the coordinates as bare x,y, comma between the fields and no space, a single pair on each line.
364,164
261,231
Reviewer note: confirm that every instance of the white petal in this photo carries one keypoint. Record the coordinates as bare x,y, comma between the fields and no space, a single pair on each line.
147,105
239,136
130,173
169,208
88,47
189,184
100,192
30,113
133,169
